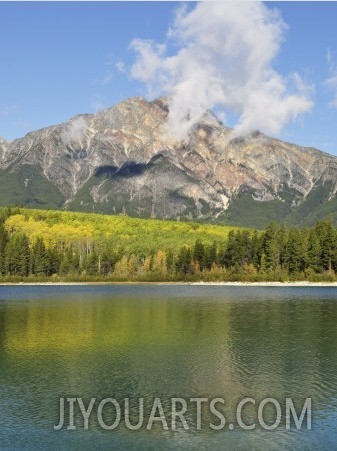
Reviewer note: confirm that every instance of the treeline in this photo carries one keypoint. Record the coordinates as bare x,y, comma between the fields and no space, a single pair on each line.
277,253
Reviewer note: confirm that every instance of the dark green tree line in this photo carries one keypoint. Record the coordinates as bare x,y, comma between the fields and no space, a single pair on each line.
273,254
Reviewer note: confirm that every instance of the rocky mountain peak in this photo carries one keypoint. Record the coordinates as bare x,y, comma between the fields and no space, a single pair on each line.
122,159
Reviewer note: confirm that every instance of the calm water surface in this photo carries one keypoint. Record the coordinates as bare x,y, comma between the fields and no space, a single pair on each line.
166,341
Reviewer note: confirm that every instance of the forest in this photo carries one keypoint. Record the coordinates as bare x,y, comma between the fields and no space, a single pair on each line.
41,245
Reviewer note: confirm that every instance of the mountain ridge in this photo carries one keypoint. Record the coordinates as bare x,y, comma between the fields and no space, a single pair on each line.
122,160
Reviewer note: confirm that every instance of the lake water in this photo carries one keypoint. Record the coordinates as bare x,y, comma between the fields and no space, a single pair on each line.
160,341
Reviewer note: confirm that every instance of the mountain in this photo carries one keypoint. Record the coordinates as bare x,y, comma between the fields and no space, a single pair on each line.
122,161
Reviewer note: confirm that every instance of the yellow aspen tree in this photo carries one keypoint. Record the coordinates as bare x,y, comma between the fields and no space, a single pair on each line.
159,262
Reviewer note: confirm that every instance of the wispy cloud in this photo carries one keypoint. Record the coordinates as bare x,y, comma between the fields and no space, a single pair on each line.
107,78
224,60
7,110
329,57
120,66
75,131
331,82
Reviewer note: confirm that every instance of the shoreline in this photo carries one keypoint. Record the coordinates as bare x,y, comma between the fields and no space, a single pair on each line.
201,283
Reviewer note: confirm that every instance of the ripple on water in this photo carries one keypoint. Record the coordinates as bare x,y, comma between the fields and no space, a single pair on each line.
226,345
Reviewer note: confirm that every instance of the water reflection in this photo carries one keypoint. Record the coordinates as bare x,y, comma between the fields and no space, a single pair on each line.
104,344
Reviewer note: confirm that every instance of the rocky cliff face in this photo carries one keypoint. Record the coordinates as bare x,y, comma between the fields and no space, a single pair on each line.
121,160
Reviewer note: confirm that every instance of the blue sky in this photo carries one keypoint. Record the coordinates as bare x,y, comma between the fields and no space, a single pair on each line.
64,58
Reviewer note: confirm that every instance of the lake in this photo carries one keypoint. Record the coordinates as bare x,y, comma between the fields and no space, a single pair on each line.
158,347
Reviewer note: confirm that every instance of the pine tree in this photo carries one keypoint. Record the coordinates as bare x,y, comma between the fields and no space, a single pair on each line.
256,248
325,232
295,254
271,247
314,252
17,255
227,258
184,260
199,253
54,261
39,260
210,256
3,242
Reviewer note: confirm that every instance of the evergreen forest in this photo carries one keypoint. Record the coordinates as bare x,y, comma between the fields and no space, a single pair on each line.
41,245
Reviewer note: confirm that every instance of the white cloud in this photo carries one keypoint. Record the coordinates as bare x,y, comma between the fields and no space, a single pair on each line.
120,66
224,60
75,131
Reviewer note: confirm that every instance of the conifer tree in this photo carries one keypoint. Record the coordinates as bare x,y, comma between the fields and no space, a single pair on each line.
295,252
271,247
3,242
324,230
199,253
229,255
184,260
210,256
314,252
39,258
17,255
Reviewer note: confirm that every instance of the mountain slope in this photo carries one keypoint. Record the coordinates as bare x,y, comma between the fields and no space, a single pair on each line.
122,160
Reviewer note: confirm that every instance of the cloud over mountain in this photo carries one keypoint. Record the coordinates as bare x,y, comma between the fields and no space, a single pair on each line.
220,55
74,131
